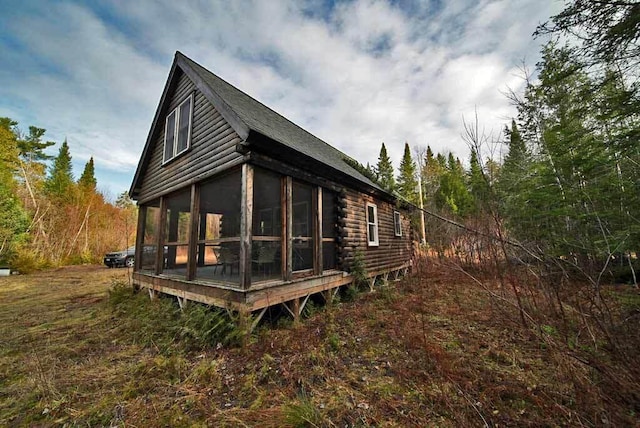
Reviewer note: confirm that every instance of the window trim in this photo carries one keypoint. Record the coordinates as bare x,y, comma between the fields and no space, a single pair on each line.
372,242
176,130
397,224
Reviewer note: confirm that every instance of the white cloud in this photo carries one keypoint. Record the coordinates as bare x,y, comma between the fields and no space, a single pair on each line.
366,72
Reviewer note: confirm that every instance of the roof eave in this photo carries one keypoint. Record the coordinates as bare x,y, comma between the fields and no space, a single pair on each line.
134,189
277,150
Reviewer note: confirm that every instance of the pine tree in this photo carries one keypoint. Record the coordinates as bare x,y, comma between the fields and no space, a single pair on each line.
452,194
124,201
384,170
87,181
32,147
517,154
60,180
478,184
407,181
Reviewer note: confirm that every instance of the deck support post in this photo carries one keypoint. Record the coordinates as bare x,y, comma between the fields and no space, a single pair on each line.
257,319
244,317
296,309
327,295
303,304
182,302
286,306
372,282
152,294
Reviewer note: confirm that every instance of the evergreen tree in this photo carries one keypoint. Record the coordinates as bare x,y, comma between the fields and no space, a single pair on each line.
431,173
384,170
32,147
60,180
452,194
512,185
433,170
517,154
13,218
607,31
572,193
478,184
124,201
407,181
87,180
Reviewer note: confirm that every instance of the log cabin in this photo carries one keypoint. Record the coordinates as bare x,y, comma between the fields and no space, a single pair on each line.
242,209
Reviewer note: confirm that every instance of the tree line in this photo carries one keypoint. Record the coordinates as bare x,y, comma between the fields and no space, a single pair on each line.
563,178
47,217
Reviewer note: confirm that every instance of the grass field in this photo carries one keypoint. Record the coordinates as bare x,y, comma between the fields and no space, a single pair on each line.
431,351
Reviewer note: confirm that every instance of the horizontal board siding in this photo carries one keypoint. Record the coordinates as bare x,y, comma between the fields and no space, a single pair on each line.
213,145
393,251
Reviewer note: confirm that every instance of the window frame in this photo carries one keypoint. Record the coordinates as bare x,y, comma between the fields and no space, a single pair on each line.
372,242
397,223
176,130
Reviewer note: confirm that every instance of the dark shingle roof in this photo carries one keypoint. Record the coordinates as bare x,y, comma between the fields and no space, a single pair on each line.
260,118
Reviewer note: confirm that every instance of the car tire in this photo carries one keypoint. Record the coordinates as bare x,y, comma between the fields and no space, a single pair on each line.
129,262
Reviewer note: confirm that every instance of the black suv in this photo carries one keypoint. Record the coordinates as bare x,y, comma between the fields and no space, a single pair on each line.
120,258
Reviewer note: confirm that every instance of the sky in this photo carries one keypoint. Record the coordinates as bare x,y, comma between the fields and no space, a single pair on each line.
353,73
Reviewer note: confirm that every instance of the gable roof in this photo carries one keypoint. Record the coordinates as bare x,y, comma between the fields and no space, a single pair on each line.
253,121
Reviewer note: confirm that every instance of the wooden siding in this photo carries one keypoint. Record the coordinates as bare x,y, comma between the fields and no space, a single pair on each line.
213,145
392,251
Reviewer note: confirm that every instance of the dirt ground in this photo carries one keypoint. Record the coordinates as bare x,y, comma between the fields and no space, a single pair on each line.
430,351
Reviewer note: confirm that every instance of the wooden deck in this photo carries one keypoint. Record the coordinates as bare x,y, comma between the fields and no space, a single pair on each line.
293,295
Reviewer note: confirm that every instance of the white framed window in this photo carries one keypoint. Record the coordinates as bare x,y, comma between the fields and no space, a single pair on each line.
177,136
397,223
372,225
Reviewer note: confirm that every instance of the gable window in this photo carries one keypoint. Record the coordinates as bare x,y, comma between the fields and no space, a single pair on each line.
178,130
372,225
397,224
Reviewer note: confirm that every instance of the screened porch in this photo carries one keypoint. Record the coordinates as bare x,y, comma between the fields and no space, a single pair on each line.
249,228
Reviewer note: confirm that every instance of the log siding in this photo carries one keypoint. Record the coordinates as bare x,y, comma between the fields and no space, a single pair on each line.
213,145
392,251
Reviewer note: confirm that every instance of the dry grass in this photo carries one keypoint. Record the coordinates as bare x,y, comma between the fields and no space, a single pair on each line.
431,351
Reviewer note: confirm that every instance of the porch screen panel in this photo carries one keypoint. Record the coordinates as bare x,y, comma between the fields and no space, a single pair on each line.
218,253
266,253
176,233
302,226
329,219
151,229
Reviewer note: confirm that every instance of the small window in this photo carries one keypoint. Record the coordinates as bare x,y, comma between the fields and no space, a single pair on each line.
397,223
169,136
372,225
177,136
